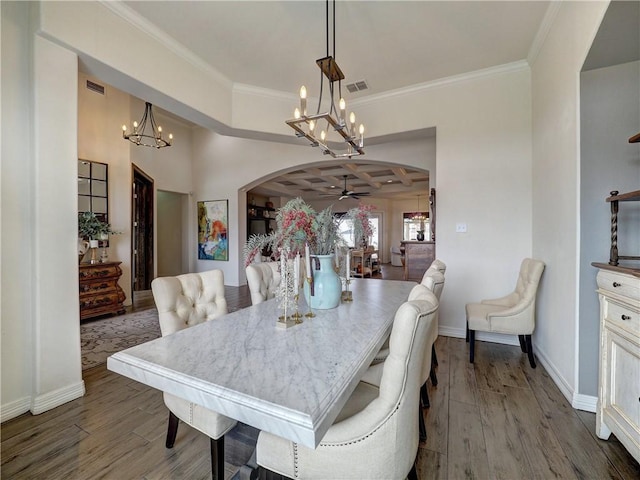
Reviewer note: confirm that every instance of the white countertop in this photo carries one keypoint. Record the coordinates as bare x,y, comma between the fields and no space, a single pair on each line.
291,382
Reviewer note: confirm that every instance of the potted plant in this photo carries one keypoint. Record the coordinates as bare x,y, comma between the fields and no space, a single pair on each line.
93,229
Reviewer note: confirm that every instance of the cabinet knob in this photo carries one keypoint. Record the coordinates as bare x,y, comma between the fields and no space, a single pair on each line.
616,284
626,317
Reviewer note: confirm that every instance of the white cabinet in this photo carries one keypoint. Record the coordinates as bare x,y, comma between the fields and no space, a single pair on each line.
618,410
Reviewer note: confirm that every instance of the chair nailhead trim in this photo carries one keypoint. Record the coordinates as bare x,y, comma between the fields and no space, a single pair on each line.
361,438
295,460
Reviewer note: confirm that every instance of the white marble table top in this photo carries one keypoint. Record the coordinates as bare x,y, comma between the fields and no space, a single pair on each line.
290,382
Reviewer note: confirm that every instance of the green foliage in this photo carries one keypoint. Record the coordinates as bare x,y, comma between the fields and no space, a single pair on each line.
91,227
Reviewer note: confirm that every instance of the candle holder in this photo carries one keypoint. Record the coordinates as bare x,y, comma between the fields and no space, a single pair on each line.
346,293
310,313
297,316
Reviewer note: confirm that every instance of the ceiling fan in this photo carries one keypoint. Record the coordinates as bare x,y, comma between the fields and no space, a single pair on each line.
350,193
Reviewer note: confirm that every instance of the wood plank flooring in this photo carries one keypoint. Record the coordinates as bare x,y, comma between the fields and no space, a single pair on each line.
496,419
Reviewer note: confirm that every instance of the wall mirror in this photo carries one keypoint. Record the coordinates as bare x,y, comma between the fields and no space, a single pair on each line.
93,188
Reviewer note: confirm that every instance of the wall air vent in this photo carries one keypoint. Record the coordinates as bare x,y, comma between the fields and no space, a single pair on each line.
357,86
95,87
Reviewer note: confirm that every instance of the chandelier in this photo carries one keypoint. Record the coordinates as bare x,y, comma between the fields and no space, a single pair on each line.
140,136
418,216
307,124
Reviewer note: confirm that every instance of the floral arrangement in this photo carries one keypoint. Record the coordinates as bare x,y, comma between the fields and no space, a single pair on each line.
297,224
362,227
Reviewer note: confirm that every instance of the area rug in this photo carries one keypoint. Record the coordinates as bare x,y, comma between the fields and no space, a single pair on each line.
106,336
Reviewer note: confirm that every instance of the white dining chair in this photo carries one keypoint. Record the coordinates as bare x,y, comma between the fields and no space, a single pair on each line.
182,302
513,314
376,435
263,280
433,279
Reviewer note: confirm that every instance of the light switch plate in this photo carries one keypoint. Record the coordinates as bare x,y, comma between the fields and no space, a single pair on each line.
461,227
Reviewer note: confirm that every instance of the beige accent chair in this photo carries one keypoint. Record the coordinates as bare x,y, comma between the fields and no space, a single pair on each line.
182,302
513,314
376,434
263,280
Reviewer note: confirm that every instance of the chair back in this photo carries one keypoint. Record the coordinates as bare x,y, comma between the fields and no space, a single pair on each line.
422,292
189,299
528,280
434,281
263,280
402,377
438,265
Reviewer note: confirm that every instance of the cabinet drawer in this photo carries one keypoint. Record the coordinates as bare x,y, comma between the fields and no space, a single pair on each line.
98,271
92,288
621,316
99,301
620,284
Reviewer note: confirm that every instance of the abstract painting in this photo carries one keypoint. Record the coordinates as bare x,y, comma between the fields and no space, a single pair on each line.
212,230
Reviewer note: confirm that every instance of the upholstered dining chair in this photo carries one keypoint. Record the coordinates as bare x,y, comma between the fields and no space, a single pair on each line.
512,314
433,279
263,280
376,433
182,302
438,265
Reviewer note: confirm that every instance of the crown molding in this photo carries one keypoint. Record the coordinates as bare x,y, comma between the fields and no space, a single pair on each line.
142,24
412,89
516,66
541,35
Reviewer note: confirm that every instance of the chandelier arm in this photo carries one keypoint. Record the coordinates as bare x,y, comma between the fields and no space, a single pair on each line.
321,89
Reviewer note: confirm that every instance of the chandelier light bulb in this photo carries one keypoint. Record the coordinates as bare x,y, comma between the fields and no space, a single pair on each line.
312,126
124,128
170,136
159,128
323,135
296,113
361,129
303,100
343,106
135,125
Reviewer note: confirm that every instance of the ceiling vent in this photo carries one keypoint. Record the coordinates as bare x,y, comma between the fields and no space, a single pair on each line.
357,86
95,87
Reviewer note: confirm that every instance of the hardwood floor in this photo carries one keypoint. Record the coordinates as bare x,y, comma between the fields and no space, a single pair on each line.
496,419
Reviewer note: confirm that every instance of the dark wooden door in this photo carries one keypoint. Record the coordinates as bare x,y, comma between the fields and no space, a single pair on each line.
142,228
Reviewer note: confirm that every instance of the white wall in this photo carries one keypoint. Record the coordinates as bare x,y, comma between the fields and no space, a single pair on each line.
609,115
17,212
555,90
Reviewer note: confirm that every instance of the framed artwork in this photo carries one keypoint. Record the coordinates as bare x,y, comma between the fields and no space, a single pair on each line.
212,230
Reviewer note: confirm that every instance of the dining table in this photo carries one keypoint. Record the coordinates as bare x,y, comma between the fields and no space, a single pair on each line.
292,382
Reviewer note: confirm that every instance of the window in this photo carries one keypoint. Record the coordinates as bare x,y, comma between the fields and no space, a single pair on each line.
411,223
345,230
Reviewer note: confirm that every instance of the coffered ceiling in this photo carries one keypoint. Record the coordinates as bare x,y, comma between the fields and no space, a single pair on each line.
328,182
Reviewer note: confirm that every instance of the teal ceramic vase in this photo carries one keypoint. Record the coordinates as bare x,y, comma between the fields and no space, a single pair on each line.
327,287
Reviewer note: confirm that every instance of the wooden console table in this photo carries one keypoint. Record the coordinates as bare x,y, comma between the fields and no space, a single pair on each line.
417,257
99,291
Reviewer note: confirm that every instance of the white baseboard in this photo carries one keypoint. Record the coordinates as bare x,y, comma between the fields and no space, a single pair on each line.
587,403
49,400
14,409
